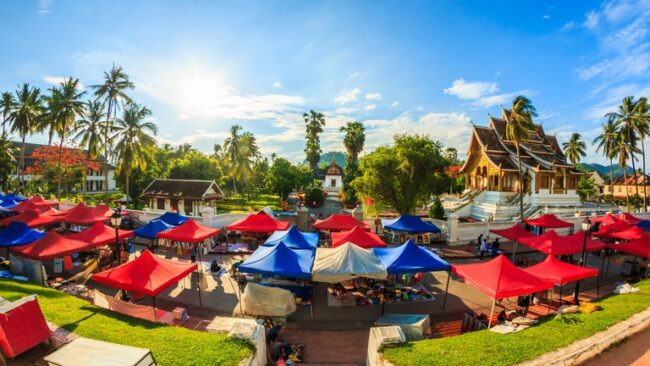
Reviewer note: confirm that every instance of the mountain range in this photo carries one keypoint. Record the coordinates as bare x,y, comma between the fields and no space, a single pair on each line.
603,170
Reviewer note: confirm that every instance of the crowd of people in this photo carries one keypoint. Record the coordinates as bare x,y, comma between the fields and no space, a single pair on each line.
483,248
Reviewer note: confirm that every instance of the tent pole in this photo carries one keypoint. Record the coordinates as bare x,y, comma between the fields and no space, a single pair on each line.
550,301
155,316
602,265
241,309
560,294
597,287
198,285
514,251
444,302
494,302
609,259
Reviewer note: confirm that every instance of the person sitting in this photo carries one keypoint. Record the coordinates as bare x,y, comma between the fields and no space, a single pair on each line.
214,266
496,246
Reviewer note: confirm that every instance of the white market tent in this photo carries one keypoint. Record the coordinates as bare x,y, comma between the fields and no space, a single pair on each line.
84,352
346,262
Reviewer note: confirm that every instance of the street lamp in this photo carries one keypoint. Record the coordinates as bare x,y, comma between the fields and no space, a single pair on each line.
116,221
586,231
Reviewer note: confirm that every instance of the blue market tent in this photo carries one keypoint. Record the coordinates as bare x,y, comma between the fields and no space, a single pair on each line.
293,238
410,258
410,224
18,233
12,196
279,260
173,218
152,228
645,225
8,203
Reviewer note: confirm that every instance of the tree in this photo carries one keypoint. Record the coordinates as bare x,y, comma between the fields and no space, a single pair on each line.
112,91
25,117
196,165
520,123
574,149
642,127
437,211
587,187
626,118
355,137
624,152
134,146
451,154
7,105
314,121
7,162
233,153
88,132
283,177
607,142
402,174
61,165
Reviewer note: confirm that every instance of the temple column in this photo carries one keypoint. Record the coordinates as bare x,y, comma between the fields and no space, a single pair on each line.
551,184
500,181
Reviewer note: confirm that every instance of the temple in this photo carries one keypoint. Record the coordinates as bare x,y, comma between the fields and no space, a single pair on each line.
491,172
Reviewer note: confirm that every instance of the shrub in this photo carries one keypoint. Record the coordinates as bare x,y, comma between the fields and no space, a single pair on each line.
314,196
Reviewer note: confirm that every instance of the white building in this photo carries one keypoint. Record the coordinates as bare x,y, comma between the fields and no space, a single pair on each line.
333,181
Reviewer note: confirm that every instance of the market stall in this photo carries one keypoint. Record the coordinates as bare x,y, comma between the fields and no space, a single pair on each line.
553,244
172,218
293,238
606,219
604,231
639,248
559,272
14,197
188,238
513,233
357,236
643,224
548,221
255,229
629,218
279,260
632,233
35,219
18,233
340,222
407,227
80,217
149,231
101,234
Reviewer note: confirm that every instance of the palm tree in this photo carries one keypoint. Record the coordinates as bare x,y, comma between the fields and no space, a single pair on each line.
7,105
624,152
112,91
233,153
607,141
134,144
314,121
7,162
88,132
520,123
574,149
25,117
250,154
355,137
625,118
642,127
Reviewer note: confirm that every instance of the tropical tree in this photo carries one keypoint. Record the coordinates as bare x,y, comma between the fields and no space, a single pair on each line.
7,162
112,92
574,149
7,105
642,127
88,132
626,117
520,123
25,119
624,151
607,142
355,138
314,121
233,153
134,144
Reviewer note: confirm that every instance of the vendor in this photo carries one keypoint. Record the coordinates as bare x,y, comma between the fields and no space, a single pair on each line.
214,266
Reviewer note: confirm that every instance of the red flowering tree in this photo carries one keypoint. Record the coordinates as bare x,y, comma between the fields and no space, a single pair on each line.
60,166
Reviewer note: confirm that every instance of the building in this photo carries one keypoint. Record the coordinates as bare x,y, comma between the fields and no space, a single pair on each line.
491,172
333,179
599,182
621,185
94,179
187,196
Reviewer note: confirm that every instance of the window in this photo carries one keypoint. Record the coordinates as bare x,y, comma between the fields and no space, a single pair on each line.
332,182
175,205
188,207
160,203
619,189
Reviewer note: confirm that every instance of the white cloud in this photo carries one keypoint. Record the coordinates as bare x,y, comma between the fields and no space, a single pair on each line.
498,99
277,84
592,19
57,80
471,90
546,17
568,26
371,107
44,7
395,104
347,96
373,96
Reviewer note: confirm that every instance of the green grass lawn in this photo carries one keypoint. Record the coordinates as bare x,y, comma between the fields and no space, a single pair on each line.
488,348
170,345
240,204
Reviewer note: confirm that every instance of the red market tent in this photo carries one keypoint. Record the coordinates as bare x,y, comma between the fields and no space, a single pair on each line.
627,217
548,221
189,232
639,247
83,215
52,245
35,219
607,230
100,234
147,274
359,237
514,233
340,222
632,233
260,222
558,272
606,219
553,244
22,326
104,210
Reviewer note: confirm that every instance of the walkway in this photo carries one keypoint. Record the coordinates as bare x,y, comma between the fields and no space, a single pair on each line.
634,351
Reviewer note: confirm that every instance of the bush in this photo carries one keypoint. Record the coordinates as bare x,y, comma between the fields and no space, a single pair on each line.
437,211
314,196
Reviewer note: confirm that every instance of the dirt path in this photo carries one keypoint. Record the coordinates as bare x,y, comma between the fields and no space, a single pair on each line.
634,351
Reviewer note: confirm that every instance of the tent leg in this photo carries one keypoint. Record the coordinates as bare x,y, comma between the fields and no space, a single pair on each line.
444,302
198,285
155,316
494,302
241,309
602,266
550,302
609,259
597,287
560,294
514,251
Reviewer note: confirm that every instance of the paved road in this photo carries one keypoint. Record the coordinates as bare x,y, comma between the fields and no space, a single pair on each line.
634,351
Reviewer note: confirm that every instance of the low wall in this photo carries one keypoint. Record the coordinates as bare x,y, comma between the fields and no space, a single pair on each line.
253,333
379,337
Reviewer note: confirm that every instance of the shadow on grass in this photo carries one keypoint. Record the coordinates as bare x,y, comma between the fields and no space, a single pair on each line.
123,318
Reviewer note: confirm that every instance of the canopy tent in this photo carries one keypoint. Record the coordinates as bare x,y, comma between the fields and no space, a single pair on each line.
189,232
18,233
293,238
104,210
410,258
340,222
632,233
32,205
35,218
147,274
639,247
643,224
606,230
83,215
514,233
626,216
52,245
8,203
357,236
558,272
173,218
499,278
348,261
100,234
260,222
553,244
409,224
548,221
11,196
279,260
151,229
606,219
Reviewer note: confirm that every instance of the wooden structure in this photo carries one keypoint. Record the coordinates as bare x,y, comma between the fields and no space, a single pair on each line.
186,196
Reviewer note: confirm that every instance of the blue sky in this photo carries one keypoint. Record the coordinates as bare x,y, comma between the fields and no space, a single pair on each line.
430,67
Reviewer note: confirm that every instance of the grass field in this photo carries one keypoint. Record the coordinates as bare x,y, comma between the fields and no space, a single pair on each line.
170,345
489,348
240,204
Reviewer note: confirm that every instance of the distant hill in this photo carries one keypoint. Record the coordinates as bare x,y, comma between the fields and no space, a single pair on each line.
326,159
603,170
